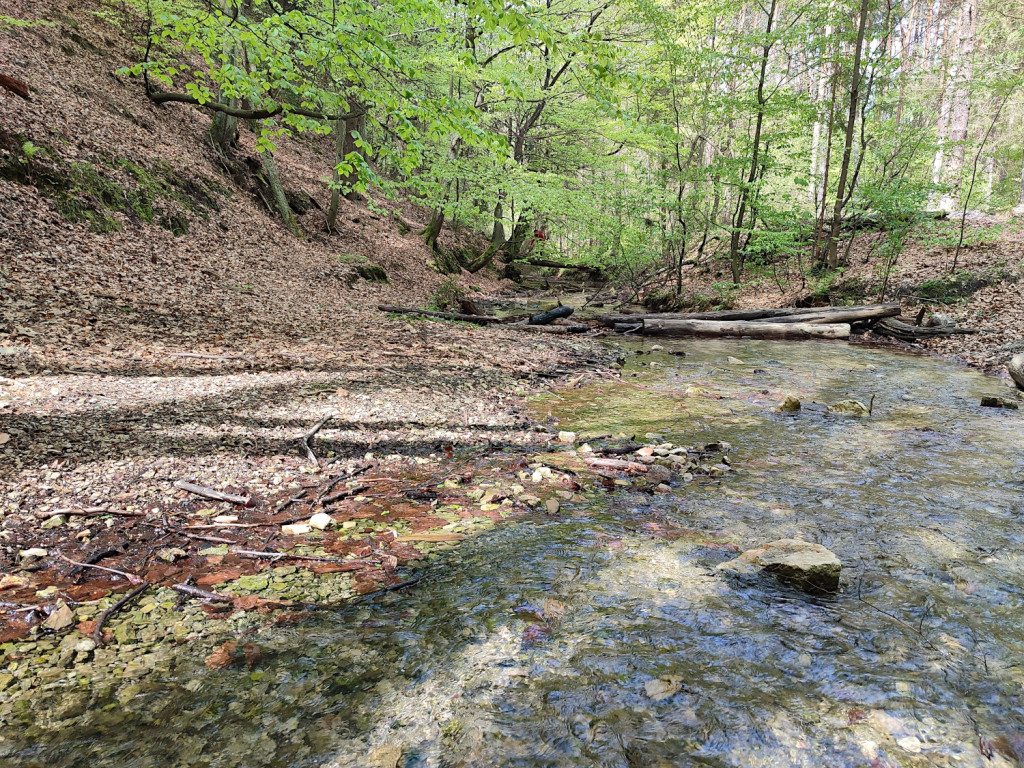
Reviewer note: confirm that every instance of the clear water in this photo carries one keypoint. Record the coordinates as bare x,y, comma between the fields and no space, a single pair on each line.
539,644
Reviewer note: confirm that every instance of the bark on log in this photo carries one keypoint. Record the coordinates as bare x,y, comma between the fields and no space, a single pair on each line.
849,316
745,314
553,328
477,319
905,332
546,318
1016,368
557,265
15,86
744,328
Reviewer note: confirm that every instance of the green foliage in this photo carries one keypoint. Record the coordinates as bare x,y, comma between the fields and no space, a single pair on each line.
446,296
8,22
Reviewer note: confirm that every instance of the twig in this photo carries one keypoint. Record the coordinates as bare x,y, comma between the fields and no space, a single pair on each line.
214,539
210,493
130,577
306,438
87,512
97,633
188,589
207,357
354,490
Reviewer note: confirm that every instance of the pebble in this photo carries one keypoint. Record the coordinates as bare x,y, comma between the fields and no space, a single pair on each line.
321,521
295,529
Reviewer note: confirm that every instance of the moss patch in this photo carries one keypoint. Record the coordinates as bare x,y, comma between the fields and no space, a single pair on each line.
87,192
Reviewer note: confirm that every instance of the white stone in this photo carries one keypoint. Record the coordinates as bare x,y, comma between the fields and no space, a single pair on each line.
295,529
321,521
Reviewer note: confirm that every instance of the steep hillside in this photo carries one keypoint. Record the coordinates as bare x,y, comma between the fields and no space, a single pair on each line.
119,227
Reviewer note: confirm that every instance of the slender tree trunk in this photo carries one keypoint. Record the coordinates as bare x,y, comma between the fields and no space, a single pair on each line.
844,169
1019,209
736,255
826,171
277,193
960,106
224,127
812,188
339,154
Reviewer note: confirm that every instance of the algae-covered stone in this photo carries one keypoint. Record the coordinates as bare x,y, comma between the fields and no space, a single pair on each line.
790,405
998,402
809,566
849,408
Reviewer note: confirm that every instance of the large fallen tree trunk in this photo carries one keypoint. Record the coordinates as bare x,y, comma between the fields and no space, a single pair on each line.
848,316
557,265
899,330
743,328
747,314
478,319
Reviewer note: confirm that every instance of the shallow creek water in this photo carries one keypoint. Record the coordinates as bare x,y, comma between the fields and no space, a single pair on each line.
644,656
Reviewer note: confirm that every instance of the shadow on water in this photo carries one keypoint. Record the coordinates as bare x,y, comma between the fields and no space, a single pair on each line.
604,637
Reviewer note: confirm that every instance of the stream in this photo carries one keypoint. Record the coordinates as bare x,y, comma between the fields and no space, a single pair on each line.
602,636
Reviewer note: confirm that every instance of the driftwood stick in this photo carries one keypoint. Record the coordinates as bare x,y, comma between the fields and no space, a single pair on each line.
97,633
130,577
545,318
210,493
620,465
906,332
746,314
553,328
306,438
188,589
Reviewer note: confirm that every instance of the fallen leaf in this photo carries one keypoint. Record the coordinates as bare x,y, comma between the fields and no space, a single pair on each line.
246,602
62,618
212,579
86,627
12,580
223,656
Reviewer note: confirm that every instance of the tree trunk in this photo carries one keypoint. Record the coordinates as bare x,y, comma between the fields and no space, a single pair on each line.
736,255
273,180
960,104
844,170
224,127
751,330
872,310
433,229
339,154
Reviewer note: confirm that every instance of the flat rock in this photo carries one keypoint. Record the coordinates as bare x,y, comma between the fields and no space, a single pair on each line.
998,402
849,408
658,475
803,564
321,521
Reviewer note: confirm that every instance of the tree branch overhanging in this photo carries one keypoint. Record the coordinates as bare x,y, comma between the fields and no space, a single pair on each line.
163,97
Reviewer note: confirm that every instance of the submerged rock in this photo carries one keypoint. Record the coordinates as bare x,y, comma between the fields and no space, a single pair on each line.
803,564
790,405
849,408
998,402
658,475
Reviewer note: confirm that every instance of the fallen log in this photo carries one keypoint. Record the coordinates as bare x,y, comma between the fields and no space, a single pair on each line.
557,265
745,314
848,316
477,319
553,328
905,332
618,465
743,328
545,318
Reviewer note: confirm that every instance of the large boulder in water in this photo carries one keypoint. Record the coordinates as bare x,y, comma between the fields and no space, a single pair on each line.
1016,368
803,564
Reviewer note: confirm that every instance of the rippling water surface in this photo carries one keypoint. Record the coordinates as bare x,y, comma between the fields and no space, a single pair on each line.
603,636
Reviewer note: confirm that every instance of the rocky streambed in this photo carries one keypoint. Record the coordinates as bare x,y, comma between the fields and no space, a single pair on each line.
597,625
